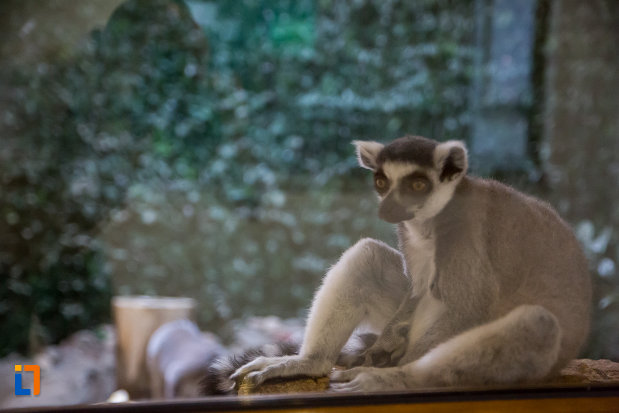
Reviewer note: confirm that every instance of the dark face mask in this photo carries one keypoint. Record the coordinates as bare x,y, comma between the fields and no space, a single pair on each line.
392,211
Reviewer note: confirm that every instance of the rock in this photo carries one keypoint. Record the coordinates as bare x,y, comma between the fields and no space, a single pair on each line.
300,385
587,371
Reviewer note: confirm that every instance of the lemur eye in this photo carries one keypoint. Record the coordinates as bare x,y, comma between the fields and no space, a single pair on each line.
381,183
419,185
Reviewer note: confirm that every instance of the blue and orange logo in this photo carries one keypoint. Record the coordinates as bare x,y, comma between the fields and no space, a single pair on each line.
36,370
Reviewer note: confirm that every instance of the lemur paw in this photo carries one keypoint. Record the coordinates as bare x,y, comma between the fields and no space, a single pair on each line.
366,379
264,368
256,371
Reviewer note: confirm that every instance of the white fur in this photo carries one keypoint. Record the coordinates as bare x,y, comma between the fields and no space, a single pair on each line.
419,255
442,151
396,170
367,150
420,262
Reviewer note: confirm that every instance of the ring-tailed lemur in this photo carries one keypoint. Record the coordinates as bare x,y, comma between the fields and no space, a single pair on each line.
488,286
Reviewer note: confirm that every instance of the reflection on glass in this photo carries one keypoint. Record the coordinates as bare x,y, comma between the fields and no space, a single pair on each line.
201,149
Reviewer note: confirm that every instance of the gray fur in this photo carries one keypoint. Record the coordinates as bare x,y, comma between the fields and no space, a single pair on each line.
489,285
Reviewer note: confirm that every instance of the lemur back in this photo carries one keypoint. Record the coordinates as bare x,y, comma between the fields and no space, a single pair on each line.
511,262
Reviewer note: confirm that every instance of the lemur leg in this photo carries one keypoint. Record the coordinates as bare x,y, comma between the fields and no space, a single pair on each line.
392,343
518,347
366,284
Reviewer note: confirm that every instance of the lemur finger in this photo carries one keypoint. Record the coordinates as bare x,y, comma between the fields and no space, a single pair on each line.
258,377
257,364
255,378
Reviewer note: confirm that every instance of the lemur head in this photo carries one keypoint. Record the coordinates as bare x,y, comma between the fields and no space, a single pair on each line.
414,177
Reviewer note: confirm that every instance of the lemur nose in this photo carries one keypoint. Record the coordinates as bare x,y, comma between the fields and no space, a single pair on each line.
391,211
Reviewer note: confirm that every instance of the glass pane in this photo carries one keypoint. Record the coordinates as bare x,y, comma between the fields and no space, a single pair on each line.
169,159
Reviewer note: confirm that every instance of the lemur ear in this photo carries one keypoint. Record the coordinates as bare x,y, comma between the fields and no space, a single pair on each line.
451,160
367,152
